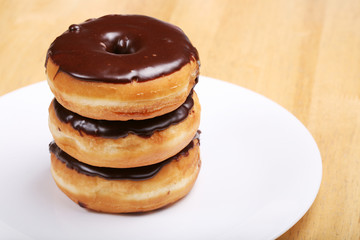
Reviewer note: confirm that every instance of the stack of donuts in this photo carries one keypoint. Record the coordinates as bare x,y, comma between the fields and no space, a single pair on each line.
125,116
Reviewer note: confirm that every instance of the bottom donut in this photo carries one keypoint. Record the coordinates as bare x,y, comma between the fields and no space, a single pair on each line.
125,190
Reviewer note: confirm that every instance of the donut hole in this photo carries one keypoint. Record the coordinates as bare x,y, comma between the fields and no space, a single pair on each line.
122,45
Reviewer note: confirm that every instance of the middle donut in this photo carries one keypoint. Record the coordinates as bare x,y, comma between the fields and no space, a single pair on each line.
124,144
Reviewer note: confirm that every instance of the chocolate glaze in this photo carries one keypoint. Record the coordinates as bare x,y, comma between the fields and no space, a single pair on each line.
119,129
138,173
81,204
121,49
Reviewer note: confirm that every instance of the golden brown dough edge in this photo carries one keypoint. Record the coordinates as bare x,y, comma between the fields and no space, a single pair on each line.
111,101
170,184
130,151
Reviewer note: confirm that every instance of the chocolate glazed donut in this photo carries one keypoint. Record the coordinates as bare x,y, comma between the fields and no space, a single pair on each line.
126,190
124,144
121,67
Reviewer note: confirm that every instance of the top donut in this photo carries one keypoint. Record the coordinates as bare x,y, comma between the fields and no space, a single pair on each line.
121,67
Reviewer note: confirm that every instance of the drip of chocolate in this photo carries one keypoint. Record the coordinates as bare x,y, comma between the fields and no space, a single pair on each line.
121,49
118,129
137,173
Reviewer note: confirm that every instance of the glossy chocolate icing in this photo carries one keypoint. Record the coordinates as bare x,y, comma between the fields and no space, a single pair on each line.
121,49
118,129
138,173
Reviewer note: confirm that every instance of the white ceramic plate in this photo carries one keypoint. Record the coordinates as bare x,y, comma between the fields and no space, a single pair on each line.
261,171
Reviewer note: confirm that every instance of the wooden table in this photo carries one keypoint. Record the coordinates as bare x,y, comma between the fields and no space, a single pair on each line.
304,55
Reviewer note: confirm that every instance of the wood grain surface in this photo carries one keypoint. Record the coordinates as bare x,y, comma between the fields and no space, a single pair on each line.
303,54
